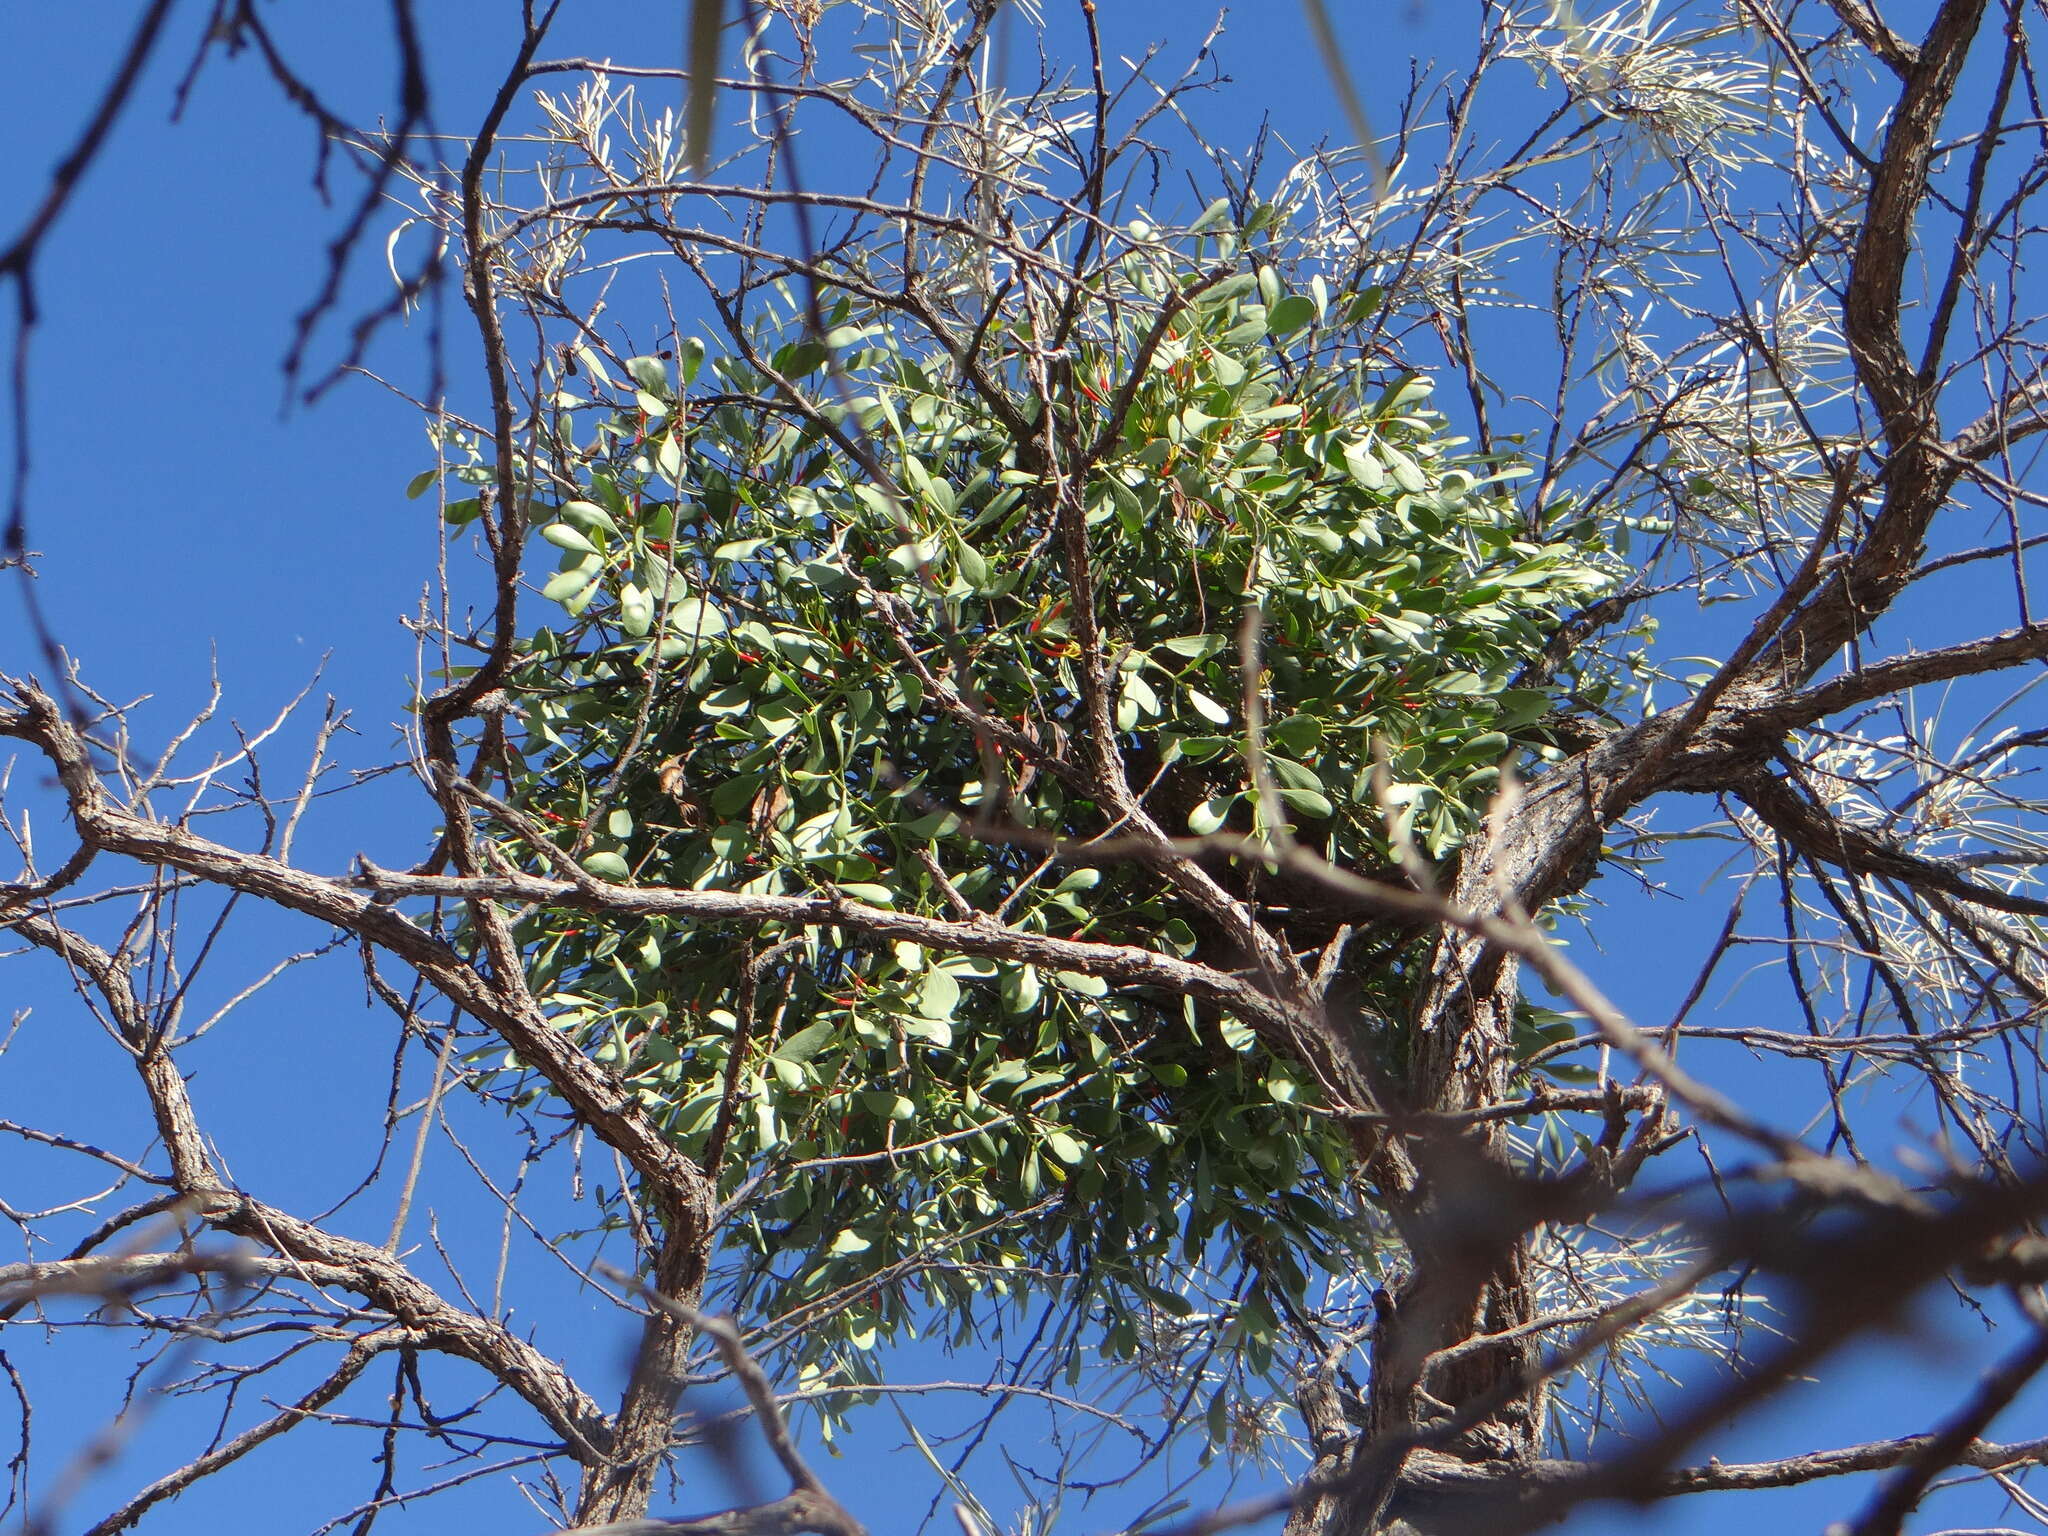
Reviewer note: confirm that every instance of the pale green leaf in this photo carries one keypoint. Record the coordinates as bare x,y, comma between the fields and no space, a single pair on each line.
607,866
805,1044
1065,1148
651,374
562,536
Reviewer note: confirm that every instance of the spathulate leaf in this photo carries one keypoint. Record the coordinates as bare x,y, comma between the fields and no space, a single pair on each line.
651,374
562,536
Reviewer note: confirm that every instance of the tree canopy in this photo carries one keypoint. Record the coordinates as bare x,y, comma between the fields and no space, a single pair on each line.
1020,712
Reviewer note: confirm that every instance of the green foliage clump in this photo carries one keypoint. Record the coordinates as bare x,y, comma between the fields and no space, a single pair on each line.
749,692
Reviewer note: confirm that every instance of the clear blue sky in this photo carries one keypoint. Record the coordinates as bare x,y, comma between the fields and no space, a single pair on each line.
185,524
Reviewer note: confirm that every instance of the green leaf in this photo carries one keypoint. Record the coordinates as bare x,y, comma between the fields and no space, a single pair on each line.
689,358
939,996
636,611
1407,389
805,1044
1021,989
734,795
695,1117
588,516
416,487
1292,775
1065,1148
1487,744
1290,314
1521,707
651,374
728,702
1309,802
907,559
1236,286
1407,474
564,585
973,569
934,824
825,576
938,1032
1365,305
607,866
1140,693
1535,573
562,536
1208,708
1363,467
694,617
889,1106
1297,733
1211,813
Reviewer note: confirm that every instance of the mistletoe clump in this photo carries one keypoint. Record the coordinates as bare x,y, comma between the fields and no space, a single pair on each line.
798,587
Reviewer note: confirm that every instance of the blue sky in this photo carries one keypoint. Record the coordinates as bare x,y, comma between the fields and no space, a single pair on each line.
190,525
